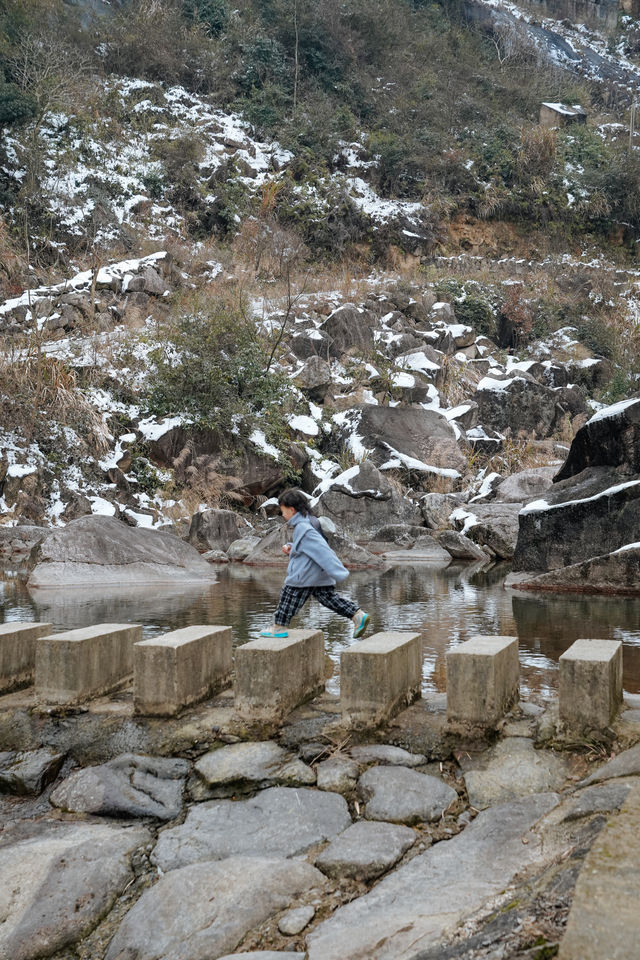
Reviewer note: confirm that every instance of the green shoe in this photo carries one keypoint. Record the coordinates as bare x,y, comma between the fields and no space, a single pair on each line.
360,627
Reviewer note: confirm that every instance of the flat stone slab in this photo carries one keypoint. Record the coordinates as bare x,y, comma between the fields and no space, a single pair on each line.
245,766
205,910
512,768
402,795
365,850
294,921
603,919
454,880
129,786
278,822
601,798
386,753
27,773
626,764
338,774
58,881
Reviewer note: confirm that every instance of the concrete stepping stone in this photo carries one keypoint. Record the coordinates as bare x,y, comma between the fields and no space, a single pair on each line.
206,909
365,850
338,774
59,881
27,773
294,921
454,880
386,753
129,786
512,768
247,766
626,764
278,822
402,795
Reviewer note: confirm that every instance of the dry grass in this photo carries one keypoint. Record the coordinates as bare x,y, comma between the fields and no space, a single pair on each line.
35,390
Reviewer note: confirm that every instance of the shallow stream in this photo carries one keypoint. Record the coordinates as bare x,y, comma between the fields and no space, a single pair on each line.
448,604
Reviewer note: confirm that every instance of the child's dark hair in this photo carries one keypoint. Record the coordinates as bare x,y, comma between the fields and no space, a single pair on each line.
297,499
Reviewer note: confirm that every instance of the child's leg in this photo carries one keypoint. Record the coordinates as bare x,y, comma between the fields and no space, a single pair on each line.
291,600
328,597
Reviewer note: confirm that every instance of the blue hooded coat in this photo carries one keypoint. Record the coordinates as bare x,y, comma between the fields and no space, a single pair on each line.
312,562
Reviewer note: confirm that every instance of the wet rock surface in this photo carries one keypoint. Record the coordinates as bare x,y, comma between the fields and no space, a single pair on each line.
28,772
382,753
129,786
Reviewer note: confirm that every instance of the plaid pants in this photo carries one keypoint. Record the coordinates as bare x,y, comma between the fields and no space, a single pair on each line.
293,598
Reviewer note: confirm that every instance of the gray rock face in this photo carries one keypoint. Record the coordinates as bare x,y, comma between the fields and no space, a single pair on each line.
436,508
583,517
58,882
615,573
246,765
104,550
294,921
365,501
206,909
626,764
402,795
454,880
349,328
526,485
497,527
240,549
512,768
384,753
129,786
338,774
314,379
278,822
612,440
28,772
521,404
602,798
422,434
460,547
17,542
214,529
365,850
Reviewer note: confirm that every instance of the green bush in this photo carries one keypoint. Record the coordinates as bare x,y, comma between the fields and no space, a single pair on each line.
210,365
213,14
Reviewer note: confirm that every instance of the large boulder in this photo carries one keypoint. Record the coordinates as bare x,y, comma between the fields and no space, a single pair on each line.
349,329
408,435
614,573
214,529
526,485
580,518
523,406
610,438
314,379
361,500
98,549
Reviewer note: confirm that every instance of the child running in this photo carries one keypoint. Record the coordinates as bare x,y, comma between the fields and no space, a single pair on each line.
314,569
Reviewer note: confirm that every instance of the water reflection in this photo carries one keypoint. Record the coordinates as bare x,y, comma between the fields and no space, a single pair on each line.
448,605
